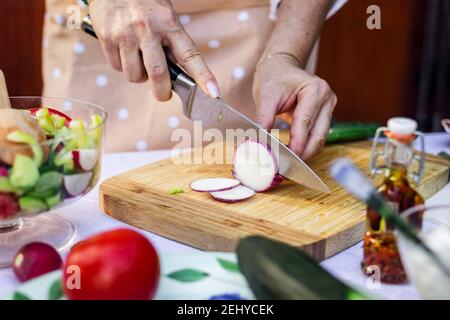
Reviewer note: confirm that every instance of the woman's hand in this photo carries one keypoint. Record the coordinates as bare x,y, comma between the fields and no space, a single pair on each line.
132,34
281,86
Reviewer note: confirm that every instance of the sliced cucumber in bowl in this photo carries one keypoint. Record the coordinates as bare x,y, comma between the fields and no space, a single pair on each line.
47,185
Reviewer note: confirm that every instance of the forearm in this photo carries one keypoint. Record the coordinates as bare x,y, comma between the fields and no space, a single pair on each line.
297,28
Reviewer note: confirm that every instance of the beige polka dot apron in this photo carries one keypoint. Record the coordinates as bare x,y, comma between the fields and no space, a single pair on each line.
231,35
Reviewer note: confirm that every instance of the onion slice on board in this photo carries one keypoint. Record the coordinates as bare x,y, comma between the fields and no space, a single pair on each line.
236,194
255,165
214,184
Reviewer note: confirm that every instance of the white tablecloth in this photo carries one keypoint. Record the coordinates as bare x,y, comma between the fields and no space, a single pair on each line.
89,220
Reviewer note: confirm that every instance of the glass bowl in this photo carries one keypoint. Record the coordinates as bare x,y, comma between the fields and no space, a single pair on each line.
59,165
428,277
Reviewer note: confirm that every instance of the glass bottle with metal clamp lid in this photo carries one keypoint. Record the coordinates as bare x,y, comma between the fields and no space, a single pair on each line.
380,249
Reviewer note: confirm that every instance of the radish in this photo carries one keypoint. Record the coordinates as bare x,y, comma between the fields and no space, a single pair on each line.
256,166
214,184
85,159
236,194
34,260
76,184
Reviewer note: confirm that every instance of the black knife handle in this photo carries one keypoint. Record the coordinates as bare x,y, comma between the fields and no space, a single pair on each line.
174,69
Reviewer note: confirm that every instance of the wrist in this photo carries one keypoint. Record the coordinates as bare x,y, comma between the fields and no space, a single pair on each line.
280,56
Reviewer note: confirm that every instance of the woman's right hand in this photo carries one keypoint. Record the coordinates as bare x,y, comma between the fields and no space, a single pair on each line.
127,28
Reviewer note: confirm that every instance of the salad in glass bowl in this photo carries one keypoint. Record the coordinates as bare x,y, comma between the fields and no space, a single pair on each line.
50,155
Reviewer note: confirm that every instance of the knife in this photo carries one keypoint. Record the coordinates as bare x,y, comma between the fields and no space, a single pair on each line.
215,113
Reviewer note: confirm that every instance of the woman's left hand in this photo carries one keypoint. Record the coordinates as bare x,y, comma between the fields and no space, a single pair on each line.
280,86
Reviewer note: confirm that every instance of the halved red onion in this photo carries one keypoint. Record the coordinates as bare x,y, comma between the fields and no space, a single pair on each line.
236,194
214,184
256,166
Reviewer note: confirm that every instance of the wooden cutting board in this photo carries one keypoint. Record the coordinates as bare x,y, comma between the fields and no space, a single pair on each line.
321,224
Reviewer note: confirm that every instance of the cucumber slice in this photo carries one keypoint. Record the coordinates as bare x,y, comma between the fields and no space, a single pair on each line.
24,174
40,195
5,185
275,270
54,200
31,205
49,181
58,121
49,184
96,121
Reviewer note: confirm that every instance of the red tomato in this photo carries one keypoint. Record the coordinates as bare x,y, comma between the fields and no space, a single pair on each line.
116,265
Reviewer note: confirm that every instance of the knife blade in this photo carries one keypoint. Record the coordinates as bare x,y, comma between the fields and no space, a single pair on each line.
215,113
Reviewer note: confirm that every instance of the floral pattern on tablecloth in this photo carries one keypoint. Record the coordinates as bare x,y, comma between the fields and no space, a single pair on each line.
192,276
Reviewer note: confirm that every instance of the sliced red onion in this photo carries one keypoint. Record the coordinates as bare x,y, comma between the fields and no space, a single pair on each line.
53,111
256,166
85,159
77,184
3,172
236,194
214,184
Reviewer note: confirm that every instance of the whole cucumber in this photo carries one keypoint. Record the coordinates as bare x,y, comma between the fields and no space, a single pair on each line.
351,131
275,270
444,155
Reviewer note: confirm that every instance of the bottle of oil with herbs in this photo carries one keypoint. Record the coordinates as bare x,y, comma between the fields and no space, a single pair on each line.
380,249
